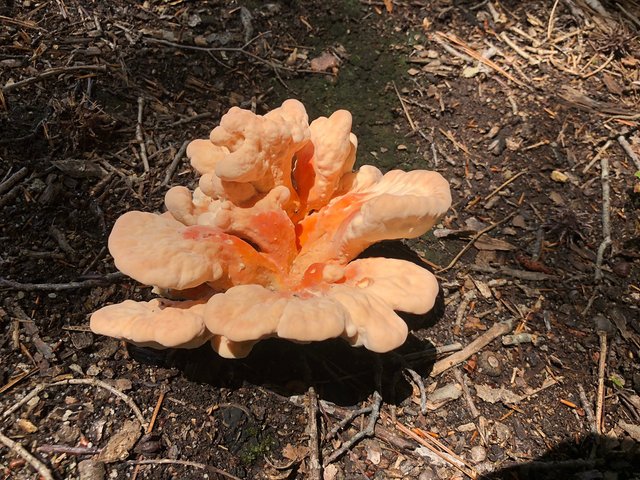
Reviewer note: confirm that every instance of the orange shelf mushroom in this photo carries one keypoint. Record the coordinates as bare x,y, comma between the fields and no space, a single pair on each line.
267,245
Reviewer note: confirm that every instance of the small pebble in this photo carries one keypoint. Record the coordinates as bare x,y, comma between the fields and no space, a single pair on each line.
91,470
478,454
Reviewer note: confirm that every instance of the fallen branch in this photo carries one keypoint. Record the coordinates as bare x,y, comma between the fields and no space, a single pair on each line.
478,344
56,287
52,72
36,464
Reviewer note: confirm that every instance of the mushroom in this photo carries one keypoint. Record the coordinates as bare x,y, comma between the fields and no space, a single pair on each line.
267,245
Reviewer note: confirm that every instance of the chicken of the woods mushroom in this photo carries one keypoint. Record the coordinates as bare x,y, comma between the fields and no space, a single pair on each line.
267,245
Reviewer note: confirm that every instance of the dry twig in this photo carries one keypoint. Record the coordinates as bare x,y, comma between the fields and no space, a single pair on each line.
606,217
366,432
478,344
417,379
36,464
140,136
52,72
473,240
77,381
602,365
315,467
57,287
629,151
174,163
588,411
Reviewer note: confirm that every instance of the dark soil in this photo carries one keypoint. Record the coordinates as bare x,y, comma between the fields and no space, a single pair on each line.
70,164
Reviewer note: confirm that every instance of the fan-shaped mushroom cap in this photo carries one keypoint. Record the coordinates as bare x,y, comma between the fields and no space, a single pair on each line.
374,207
158,323
359,306
159,250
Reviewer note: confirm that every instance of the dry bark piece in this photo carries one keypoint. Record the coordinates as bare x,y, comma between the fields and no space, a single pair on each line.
121,443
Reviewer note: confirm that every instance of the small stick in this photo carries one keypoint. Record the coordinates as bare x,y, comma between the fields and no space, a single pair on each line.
439,449
629,151
602,364
366,432
515,177
10,182
606,222
36,464
423,394
588,411
464,303
315,467
193,118
140,137
52,72
448,48
461,379
478,344
57,287
78,381
167,461
17,379
597,156
514,273
433,352
551,18
174,163
473,240
347,419
149,429
514,46
68,450
404,108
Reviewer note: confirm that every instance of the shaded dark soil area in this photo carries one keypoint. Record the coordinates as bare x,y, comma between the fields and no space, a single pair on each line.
529,109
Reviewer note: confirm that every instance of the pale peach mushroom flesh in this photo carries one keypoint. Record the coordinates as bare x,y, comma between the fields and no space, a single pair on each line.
267,245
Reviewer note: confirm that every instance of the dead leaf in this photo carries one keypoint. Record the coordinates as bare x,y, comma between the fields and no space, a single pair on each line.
121,442
611,84
485,242
326,61
494,395
631,429
295,454
388,4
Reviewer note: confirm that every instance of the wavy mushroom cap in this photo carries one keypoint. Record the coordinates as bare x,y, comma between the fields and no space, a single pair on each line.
265,246
158,323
